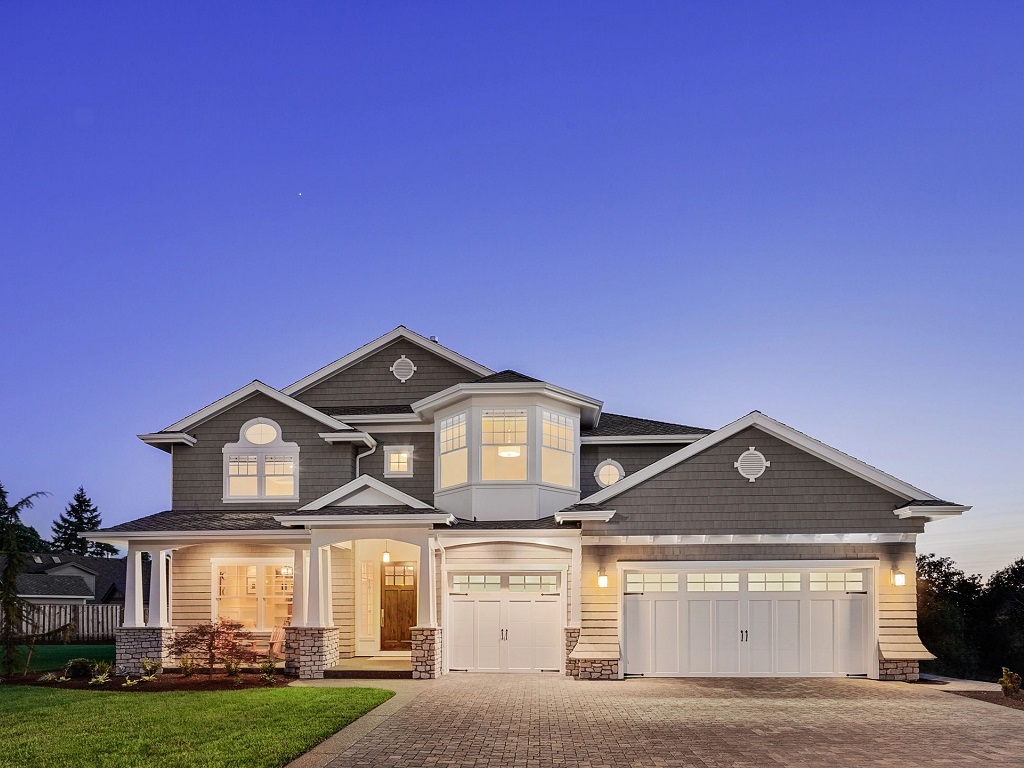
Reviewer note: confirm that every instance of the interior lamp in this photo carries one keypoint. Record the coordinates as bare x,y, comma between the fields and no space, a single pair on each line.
509,451
899,578
286,570
602,580
386,557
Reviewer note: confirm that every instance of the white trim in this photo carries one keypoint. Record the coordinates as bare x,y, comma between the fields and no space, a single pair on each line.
742,565
640,439
261,562
390,449
932,512
347,521
779,430
379,418
167,438
186,538
608,463
449,538
381,429
401,332
256,387
361,482
590,409
349,437
753,538
244,447
601,516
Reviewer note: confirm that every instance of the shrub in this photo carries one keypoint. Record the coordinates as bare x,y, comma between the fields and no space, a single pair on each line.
47,677
232,667
101,679
100,667
78,669
267,671
128,682
218,642
1010,683
187,666
150,667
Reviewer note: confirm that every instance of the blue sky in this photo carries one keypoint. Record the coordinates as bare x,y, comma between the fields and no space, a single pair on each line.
688,210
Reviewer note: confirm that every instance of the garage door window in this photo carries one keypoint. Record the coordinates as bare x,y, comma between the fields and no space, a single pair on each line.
652,582
476,582
852,581
544,584
712,582
773,582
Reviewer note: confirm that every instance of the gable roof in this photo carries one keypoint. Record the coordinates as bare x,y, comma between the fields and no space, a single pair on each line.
507,376
110,572
401,332
617,425
779,430
365,485
45,585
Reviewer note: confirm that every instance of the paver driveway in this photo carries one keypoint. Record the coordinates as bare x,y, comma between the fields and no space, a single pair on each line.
530,721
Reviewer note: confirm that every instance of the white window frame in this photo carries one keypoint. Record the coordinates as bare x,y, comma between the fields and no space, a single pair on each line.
392,449
259,562
608,463
449,422
572,423
276,447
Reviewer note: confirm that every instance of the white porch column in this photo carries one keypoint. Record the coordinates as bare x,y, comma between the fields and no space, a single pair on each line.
299,592
576,578
133,589
326,593
318,613
425,602
158,613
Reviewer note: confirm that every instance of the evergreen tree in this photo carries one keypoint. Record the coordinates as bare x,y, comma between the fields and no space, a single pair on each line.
12,607
81,516
29,539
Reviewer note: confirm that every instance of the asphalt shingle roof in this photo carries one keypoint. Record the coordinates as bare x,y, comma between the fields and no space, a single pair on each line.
110,572
368,410
508,377
202,520
507,525
55,586
396,509
617,425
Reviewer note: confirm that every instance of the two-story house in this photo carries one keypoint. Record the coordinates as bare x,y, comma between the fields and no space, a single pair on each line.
405,500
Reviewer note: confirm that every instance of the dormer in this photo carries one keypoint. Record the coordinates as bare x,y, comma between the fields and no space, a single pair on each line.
507,447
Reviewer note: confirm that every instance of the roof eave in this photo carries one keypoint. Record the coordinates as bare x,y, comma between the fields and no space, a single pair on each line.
590,408
931,512
363,521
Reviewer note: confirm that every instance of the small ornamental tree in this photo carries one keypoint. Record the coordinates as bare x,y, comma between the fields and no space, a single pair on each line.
217,642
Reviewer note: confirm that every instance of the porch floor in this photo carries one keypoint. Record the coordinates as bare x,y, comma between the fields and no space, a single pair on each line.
373,667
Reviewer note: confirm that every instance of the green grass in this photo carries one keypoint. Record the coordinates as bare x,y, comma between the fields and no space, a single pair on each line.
49,657
254,728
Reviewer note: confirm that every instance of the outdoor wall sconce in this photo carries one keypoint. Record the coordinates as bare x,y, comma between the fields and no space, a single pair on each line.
899,578
602,580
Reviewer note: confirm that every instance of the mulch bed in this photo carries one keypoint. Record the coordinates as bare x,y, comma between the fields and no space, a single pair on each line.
992,697
163,683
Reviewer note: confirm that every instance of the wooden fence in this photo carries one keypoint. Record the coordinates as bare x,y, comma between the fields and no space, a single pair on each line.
89,623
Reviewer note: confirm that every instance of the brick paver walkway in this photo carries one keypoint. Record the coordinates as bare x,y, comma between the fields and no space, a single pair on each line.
534,721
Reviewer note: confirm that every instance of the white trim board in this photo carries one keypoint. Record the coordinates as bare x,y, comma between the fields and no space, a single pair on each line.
590,409
401,332
255,387
751,538
741,565
364,482
167,438
348,521
640,439
776,429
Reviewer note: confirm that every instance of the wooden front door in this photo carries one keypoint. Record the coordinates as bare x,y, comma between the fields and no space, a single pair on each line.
398,606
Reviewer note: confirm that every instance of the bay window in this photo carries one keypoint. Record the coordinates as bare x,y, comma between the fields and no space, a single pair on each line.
453,454
504,444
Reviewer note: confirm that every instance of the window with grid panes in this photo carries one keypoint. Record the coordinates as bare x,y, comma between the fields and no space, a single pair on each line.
452,452
503,444
558,449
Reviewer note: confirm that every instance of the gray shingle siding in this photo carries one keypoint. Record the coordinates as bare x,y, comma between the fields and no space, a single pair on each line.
421,484
633,458
799,493
198,471
370,381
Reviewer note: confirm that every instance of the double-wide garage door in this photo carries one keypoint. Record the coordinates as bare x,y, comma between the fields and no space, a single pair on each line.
504,623
799,623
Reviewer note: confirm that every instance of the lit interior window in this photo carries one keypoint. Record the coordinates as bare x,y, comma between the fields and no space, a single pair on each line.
558,450
608,473
398,461
261,465
503,450
257,596
453,455
261,434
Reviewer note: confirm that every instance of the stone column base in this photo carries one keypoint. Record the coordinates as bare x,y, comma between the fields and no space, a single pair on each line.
308,651
907,671
133,644
598,669
426,653
572,666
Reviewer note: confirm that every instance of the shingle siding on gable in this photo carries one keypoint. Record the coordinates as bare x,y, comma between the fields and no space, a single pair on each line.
633,458
799,493
198,472
421,484
370,382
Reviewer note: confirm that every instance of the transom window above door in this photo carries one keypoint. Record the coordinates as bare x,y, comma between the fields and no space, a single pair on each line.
544,583
652,582
261,466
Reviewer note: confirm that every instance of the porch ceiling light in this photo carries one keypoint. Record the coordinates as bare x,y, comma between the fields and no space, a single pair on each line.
386,557
510,451
602,580
899,578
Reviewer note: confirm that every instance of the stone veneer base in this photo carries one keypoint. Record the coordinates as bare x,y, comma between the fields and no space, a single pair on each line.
598,669
426,653
133,644
572,666
308,651
907,671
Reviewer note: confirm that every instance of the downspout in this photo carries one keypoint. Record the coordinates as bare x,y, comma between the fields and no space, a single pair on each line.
363,455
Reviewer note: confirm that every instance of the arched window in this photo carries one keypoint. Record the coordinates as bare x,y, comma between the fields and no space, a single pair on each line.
609,472
261,466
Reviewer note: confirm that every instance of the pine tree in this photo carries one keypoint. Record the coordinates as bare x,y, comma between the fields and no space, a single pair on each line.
12,607
81,516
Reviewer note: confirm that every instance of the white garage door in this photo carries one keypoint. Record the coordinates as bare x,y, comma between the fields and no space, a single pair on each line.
800,623
504,623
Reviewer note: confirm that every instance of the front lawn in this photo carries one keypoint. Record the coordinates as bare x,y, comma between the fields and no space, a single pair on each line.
249,729
50,657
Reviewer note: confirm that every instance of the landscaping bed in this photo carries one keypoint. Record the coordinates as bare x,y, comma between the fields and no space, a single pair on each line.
162,683
993,697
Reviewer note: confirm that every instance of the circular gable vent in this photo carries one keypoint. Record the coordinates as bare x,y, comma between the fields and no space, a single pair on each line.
403,369
751,464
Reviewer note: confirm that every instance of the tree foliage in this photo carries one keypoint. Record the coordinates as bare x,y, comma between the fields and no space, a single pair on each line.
81,516
216,642
12,607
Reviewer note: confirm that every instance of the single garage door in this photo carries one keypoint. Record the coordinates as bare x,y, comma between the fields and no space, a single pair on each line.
509,622
797,623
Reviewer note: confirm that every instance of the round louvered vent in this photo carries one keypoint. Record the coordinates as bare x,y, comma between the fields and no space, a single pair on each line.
403,369
751,464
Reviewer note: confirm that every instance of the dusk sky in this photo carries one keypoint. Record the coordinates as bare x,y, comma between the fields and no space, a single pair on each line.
687,210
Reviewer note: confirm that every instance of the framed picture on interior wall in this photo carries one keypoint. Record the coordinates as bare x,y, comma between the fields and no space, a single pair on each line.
250,585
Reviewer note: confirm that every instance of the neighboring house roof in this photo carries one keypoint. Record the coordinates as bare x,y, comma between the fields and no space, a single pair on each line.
617,425
779,430
109,572
401,332
46,585
507,377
